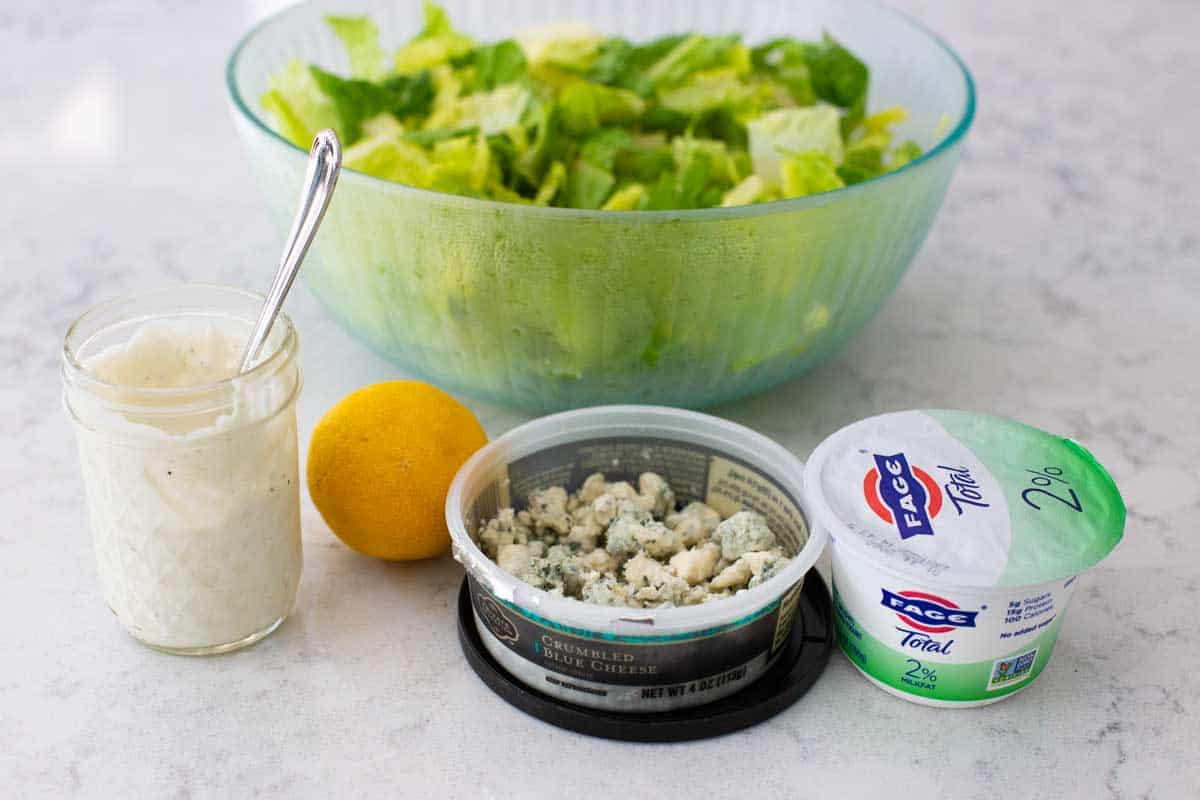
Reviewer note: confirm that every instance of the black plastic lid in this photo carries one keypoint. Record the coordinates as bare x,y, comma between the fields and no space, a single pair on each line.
793,673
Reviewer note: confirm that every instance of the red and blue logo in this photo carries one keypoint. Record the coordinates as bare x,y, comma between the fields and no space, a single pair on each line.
902,495
928,612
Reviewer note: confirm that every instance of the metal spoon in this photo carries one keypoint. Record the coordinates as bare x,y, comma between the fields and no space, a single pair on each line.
324,164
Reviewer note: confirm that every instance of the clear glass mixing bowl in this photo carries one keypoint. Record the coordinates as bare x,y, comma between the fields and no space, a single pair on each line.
550,308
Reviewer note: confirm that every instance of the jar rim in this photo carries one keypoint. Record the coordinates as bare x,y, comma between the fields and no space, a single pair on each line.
75,372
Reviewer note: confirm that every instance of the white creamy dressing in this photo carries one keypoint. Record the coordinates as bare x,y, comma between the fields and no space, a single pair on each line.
196,514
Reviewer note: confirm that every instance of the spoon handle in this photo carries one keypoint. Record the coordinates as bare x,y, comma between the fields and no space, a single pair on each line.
324,164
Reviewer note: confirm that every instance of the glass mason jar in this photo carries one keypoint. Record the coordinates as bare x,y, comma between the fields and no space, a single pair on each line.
192,482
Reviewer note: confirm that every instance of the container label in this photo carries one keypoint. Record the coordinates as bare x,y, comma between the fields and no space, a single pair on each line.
924,671
946,645
901,495
936,614
667,662
1012,669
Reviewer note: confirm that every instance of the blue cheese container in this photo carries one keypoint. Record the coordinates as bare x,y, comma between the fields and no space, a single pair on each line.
630,659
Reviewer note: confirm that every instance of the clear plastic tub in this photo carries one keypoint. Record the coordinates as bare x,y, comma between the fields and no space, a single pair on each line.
628,659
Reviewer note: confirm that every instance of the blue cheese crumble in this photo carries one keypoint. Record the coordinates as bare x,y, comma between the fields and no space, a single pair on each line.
612,544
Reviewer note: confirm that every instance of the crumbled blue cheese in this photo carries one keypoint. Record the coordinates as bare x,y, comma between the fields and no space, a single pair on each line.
744,532
611,544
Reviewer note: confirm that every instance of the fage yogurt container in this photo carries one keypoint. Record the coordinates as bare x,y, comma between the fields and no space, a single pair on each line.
957,542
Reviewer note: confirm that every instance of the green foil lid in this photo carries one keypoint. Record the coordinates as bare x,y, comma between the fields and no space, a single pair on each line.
964,499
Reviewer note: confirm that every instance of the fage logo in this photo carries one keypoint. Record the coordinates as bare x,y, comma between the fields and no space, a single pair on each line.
902,495
927,612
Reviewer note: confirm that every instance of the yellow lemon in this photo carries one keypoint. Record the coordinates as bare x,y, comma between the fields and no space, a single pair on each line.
380,464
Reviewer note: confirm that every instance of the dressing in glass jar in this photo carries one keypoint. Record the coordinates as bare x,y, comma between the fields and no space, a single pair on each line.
191,470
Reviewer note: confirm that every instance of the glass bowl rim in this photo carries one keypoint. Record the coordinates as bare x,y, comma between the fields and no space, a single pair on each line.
300,155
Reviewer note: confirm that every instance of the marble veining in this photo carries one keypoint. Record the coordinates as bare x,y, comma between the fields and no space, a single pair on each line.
1059,286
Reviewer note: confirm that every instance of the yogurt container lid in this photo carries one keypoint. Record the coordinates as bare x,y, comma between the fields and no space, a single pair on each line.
956,498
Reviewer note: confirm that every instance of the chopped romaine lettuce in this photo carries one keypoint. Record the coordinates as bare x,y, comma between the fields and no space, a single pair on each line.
588,185
626,199
904,154
556,176
572,46
586,106
300,107
357,100
838,77
695,53
391,158
564,115
360,36
498,64
489,112
602,147
791,131
752,189
707,91
437,43
809,173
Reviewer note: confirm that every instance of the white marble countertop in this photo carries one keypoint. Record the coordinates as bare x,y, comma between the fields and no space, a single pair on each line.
1060,286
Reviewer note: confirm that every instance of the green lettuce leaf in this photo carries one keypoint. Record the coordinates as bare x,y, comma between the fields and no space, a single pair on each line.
723,124
786,61
861,164
625,65
788,131
707,91
430,138
550,142
837,76
498,64
809,173
645,159
752,189
695,53
357,100
552,183
614,60
462,165
390,158
437,43
299,106
724,170
814,71
702,174
588,185
866,154
490,112
627,198
602,147
571,46
586,106
502,108
904,154
592,179
360,36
